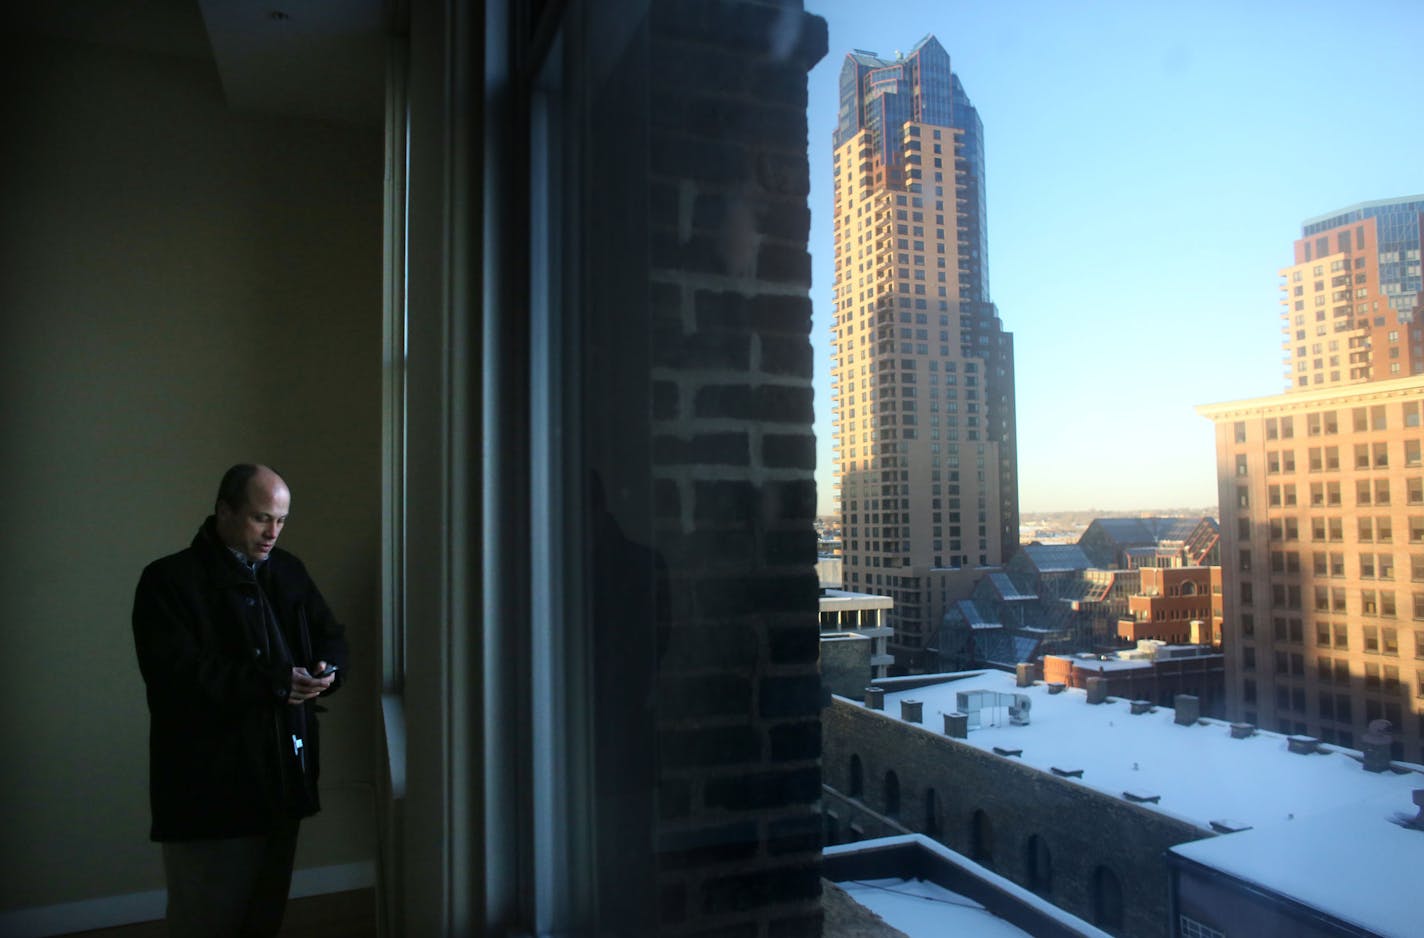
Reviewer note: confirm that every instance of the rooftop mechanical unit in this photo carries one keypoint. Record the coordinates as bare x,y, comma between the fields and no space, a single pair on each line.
991,708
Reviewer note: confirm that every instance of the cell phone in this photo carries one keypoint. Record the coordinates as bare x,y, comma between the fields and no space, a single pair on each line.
330,670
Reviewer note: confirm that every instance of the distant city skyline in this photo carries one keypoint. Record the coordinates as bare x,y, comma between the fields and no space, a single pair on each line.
1148,170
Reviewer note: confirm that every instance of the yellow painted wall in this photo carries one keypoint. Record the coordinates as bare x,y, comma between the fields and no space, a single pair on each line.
181,287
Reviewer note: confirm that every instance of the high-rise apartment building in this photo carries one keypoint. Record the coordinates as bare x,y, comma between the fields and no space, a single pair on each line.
922,372
1349,303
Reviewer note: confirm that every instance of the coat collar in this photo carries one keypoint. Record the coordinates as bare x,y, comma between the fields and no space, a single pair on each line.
222,564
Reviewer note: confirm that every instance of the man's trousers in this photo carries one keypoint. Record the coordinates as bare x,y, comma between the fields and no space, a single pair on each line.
230,888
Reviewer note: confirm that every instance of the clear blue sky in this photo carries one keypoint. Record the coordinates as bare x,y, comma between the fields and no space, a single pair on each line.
1149,165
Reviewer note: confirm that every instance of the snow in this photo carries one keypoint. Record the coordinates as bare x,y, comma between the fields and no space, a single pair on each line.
1352,862
1113,664
1321,830
939,919
833,599
1200,773
922,909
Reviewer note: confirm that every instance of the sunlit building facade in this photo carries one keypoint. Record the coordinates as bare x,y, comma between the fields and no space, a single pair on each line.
1322,530
1349,303
922,370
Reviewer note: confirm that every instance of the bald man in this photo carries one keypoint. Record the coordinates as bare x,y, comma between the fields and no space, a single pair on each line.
235,643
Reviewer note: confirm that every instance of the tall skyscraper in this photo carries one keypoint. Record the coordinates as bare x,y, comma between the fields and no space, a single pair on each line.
1322,496
922,370
1349,302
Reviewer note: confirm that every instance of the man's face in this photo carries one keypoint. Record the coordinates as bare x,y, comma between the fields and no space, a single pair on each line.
253,528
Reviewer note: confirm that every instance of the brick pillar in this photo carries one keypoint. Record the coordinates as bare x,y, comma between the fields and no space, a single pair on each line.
912,711
956,725
1023,674
739,830
1188,709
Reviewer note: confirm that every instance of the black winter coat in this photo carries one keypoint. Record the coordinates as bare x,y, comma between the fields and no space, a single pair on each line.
221,759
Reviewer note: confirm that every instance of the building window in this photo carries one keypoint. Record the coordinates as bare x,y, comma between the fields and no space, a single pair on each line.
1191,928
892,794
1107,899
981,839
1040,866
857,777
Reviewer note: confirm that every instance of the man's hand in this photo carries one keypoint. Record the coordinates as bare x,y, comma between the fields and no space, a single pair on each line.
305,687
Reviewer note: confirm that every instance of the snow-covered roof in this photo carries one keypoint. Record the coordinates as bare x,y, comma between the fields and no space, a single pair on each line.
834,599
949,894
1352,861
1200,772
1007,590
1112,664
922,909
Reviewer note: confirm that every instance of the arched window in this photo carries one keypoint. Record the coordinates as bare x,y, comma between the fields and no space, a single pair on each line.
857,777
981,839
892,794
932,818
1107,899
1039,865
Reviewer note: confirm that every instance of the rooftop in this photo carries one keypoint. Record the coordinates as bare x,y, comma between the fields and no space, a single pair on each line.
1056,558
1186,766
832,599
1353,862
1301,401
922,889
922,909
1359,208
1147,530
1007,590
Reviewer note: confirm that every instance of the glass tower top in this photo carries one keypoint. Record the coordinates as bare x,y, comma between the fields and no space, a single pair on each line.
881,95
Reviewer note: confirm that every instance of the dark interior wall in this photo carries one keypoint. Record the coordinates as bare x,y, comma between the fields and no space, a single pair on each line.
181,287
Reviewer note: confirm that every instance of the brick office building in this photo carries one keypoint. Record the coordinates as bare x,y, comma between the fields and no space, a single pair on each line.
1152,671
1175,604
1322,493
1322,499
